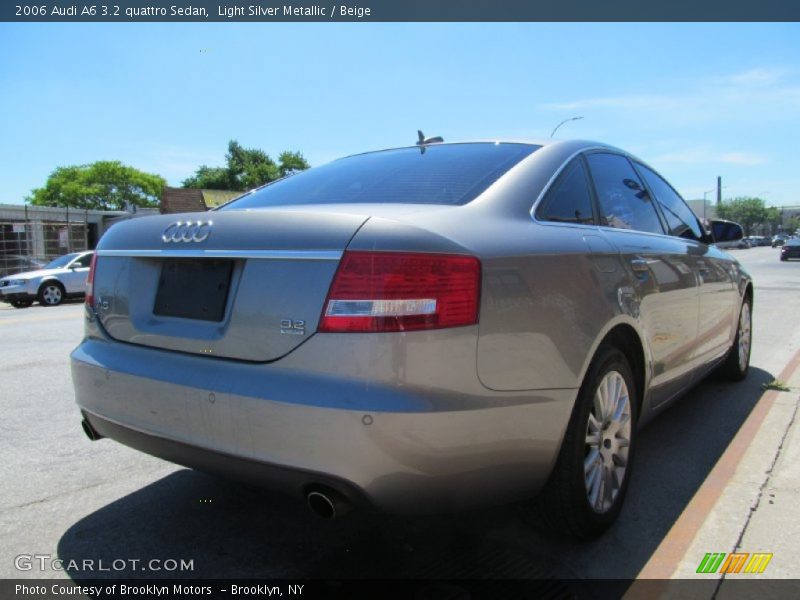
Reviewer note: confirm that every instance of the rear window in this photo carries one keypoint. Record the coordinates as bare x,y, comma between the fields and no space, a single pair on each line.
438,174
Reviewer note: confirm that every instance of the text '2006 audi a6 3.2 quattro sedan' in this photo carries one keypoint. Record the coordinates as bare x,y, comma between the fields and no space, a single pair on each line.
417,329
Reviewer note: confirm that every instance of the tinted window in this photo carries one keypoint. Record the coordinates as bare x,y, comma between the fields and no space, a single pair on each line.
568,200
441,174
624,203
84,261
61,261
681,221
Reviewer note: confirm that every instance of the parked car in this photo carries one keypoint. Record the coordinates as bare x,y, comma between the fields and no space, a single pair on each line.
779,240
64,277
417,329
11,264
741,244
791,249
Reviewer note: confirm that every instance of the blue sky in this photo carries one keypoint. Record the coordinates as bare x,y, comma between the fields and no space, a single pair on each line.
694,100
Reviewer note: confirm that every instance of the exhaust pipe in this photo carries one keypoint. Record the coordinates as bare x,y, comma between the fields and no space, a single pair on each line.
327,504
90,431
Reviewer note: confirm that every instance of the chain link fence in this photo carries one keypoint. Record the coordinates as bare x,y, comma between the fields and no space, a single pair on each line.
29,245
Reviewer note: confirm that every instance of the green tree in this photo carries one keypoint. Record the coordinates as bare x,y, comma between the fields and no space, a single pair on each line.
106,185
774,218
245,169
746,211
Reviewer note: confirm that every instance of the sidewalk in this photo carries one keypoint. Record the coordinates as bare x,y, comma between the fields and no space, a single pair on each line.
749,503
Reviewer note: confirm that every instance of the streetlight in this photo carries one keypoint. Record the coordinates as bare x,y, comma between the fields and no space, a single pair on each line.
565,121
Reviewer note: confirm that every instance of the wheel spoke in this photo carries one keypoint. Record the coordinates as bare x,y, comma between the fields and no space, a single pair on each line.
591,460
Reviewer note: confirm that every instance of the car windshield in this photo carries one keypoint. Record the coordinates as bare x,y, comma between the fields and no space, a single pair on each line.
61,261
437,174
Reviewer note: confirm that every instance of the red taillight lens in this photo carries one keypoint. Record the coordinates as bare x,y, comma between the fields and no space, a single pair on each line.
398,291
90,281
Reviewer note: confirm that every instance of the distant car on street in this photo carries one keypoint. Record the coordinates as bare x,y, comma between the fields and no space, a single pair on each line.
791,249
779,240
65,277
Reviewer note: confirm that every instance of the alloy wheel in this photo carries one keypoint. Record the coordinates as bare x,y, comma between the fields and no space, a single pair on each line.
608,435
52,295
744,336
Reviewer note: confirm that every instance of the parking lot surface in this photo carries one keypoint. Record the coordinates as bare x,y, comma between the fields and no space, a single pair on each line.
68,498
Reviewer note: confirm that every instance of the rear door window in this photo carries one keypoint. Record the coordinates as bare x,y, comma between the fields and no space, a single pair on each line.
569,200
623,201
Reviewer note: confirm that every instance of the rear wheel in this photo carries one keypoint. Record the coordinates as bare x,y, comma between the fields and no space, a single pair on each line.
51,293
585,492
737,364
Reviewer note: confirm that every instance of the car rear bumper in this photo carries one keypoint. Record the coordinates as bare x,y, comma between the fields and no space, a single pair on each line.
400,448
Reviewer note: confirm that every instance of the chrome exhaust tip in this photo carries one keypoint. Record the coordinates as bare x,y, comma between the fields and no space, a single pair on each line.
89,431
327,504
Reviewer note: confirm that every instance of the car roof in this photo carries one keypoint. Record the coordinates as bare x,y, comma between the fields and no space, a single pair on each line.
564,144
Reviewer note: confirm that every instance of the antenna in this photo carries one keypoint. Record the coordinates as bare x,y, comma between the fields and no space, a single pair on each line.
422,141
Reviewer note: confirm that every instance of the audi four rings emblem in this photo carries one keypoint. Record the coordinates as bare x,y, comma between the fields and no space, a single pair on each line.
187,231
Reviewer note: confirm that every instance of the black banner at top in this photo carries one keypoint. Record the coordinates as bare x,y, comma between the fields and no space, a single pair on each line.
128,11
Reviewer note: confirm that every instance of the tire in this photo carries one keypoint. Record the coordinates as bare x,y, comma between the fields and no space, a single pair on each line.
737,363
21,303
51,293
580,501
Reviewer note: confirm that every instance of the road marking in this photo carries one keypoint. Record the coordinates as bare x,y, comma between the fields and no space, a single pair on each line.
665,560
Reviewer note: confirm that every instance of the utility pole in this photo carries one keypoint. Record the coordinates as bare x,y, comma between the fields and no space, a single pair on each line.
719,191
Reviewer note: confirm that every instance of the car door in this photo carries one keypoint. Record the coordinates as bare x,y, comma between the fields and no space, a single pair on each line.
716,271
661,290
77,271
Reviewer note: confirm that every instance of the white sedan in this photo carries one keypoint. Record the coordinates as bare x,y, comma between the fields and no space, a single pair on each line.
62,278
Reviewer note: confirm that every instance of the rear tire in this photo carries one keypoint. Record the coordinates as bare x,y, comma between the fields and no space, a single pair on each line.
587,488
737,363
51,293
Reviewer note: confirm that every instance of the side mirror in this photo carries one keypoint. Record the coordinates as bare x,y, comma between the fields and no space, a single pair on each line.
725,231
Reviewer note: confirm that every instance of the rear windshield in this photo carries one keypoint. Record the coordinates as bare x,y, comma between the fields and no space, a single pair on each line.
446,174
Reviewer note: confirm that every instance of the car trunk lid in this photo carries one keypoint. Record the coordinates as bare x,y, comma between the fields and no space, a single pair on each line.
246,285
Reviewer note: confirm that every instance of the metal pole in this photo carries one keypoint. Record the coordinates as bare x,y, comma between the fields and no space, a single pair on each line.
565,121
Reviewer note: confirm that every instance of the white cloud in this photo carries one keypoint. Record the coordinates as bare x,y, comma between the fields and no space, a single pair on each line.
742,158
756,77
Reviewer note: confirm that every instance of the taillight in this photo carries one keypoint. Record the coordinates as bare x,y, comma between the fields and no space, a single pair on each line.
90,281
399,291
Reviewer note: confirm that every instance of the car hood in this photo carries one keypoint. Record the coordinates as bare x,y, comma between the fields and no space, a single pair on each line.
35,274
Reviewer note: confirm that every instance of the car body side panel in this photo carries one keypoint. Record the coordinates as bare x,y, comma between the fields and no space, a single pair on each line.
664,299
719,304
541,313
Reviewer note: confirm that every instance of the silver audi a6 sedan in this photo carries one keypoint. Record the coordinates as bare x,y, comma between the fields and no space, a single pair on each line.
417,329
51,284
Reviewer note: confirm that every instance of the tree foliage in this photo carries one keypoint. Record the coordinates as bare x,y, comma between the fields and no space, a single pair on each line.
105,185
245,169
746,211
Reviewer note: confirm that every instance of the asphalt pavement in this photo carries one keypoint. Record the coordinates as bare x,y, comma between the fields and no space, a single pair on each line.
71,499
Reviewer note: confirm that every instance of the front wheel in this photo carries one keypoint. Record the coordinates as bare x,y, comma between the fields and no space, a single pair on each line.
586,490
51,293
737,364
